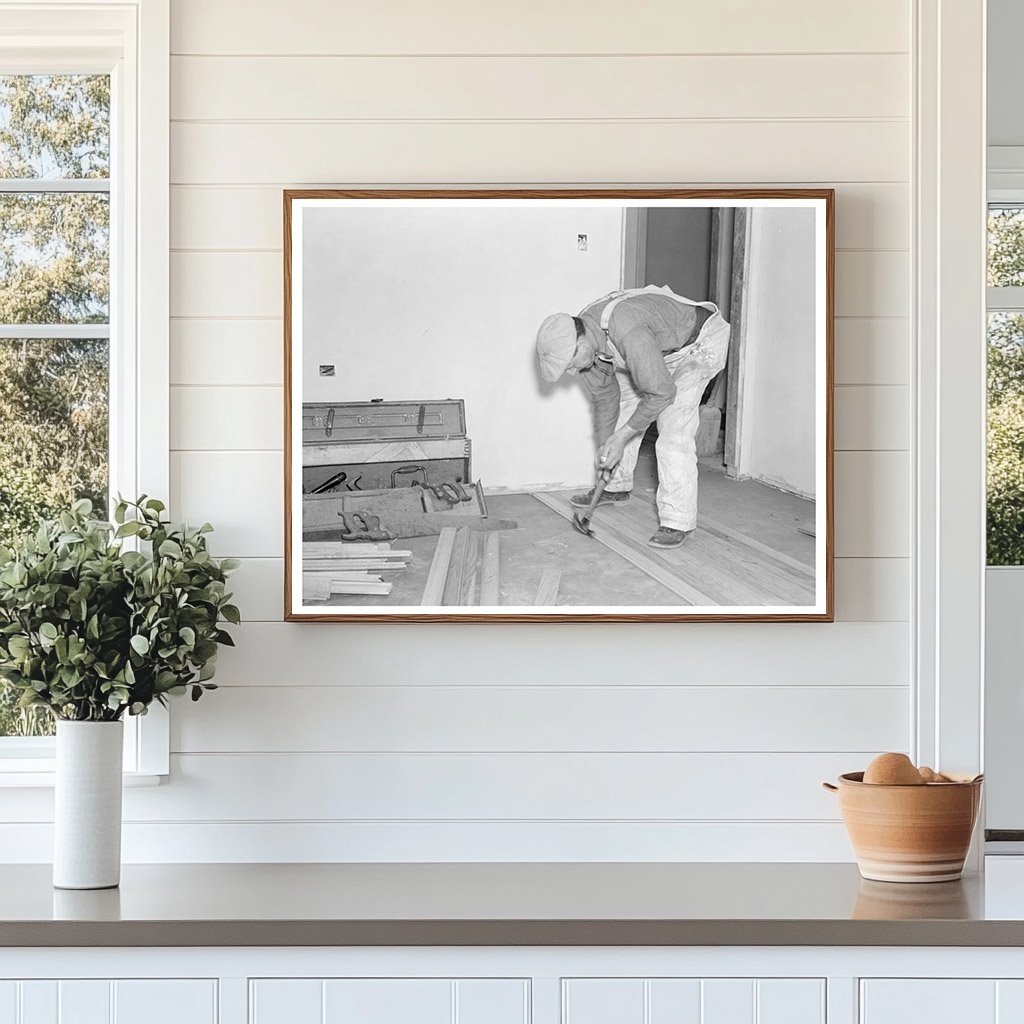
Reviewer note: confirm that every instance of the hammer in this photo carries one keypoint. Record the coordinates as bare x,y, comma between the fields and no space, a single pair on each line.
581,523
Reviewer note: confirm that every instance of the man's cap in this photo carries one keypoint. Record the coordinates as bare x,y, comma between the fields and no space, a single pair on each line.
556,345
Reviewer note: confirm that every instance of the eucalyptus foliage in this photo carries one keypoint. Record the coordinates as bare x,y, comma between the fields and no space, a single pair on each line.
91,630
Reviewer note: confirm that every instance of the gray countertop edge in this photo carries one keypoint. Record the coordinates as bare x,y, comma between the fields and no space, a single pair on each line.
35,934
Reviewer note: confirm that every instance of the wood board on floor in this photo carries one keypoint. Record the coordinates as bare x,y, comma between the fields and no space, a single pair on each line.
714,566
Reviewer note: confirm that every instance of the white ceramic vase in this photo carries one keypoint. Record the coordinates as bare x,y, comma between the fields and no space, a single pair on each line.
87,807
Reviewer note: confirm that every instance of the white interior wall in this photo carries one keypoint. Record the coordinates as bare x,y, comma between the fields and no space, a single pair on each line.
421,303
776,416
678,741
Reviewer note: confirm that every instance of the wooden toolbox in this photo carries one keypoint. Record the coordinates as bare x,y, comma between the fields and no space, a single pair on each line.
365,446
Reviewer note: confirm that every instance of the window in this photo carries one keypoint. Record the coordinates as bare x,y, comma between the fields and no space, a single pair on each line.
1005,484
84,125
54,308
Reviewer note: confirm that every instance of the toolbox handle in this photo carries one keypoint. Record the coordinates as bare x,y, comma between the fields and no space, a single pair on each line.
406,471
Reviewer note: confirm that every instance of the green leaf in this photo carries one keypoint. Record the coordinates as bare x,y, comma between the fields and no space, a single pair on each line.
18,646
140,644
188,635
232,614
48,631
170,549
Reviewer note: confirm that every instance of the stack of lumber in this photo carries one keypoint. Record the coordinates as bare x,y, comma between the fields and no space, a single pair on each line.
341,567
464,570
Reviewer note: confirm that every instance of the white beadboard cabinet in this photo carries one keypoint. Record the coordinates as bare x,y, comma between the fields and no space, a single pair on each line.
104,1001
693,1001
942,1001
513,985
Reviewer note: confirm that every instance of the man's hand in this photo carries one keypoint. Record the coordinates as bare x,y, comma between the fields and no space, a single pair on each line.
609,455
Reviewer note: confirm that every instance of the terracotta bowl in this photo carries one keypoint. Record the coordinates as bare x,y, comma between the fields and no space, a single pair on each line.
909,833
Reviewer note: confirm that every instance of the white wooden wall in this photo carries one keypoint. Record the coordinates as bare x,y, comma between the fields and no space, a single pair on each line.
687,741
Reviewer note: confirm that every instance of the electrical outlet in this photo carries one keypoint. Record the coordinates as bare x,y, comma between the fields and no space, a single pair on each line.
327,369
581,243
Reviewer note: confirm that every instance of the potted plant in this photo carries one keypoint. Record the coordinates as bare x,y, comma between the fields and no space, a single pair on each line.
95,624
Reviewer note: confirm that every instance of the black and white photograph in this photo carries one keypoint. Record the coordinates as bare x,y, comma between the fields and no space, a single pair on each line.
523,405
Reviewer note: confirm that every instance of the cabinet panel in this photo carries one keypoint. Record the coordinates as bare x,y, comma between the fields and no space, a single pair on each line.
791,1001
388,1001
285,1001
674,1001
1010,1002
492,1002
728,1001
8,1002
84,1002
603,1001
935,1001
165,1002
38,1002
693,1001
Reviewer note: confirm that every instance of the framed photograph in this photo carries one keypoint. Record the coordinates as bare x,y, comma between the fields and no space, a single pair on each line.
558,405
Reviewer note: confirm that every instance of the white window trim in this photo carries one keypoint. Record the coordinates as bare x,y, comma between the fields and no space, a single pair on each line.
130,40
949,443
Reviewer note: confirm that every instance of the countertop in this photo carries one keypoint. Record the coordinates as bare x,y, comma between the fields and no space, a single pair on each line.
492,904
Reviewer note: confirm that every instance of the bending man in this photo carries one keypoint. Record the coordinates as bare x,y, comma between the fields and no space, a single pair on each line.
642,355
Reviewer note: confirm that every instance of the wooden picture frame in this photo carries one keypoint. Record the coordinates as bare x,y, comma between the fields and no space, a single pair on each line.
385,291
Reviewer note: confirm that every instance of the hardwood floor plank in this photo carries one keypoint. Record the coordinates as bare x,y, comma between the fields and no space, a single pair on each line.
438,574
456,569
489,570
740,568
547,590
688,595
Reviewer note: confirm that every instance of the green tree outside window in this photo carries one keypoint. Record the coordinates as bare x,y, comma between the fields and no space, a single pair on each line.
54,271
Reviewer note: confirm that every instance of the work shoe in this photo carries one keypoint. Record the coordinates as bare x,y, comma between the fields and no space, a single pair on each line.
608,498
666,537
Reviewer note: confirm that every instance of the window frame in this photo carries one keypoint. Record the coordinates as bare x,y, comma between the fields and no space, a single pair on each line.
130,41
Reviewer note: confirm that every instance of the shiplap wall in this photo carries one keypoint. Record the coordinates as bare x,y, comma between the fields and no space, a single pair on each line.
688,741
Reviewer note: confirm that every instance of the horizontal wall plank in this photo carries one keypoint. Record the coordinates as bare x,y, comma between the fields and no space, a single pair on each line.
375,787
227,352
240,418
233,284
873,284
258,586
551,718
747,654
454,842
873,589
544,786
538,88
867,589
475,152
872,504
872,351
241,493
872,418
576,26
868,216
